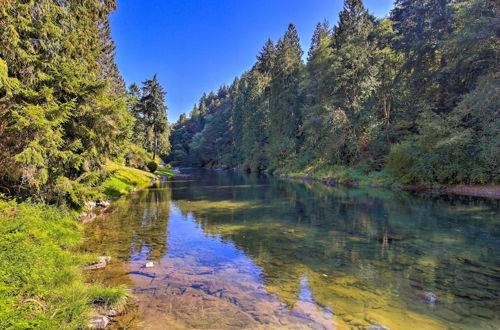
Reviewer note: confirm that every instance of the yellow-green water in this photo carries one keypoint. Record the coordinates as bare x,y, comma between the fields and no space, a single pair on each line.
234,250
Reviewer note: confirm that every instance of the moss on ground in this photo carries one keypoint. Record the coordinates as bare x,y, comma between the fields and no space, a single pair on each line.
124,179
165,172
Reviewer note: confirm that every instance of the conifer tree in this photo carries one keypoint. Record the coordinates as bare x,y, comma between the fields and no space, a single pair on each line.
352,77
285,115
152,127
59,119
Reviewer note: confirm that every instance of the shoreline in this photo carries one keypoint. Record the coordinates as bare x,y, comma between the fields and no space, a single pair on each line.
485,191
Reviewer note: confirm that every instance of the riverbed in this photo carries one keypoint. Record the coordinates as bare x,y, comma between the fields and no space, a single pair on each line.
233,250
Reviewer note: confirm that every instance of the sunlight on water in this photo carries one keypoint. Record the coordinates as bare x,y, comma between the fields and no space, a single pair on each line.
238,251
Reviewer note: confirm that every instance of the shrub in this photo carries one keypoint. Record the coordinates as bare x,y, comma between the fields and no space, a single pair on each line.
152,166
137,157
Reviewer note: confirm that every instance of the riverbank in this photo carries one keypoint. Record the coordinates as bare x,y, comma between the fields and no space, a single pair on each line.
42,282
380,180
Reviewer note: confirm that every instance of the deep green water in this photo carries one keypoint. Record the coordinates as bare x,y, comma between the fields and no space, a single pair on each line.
235,250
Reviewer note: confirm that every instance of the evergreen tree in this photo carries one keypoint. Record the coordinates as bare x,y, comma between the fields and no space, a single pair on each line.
285,115
317,94
414,94
59,119
152,128
353,73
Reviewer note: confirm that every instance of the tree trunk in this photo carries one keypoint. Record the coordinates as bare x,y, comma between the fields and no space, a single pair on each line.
155,147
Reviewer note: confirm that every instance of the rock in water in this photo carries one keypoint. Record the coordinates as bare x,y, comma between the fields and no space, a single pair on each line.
149,264
103,262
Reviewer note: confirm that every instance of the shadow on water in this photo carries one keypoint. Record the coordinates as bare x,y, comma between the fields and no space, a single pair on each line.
244,250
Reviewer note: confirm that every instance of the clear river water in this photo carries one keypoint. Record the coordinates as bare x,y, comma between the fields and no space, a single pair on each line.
234,250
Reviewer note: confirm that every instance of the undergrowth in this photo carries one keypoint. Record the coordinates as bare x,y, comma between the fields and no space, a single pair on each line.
346,175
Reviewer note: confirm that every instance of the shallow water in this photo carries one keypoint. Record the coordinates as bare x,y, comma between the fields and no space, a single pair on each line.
234,250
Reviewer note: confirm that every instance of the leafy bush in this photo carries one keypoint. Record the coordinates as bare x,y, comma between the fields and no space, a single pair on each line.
137,157
430,159
152,166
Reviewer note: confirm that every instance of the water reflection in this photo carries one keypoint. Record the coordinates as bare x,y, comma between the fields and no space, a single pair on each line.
253,251
134,229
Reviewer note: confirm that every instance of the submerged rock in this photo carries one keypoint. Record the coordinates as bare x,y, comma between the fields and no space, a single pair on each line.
103,262
431,297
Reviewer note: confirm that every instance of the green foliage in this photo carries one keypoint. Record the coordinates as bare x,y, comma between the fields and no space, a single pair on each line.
137,157
41,284
62,113
122,180
407,99
152,166
151,129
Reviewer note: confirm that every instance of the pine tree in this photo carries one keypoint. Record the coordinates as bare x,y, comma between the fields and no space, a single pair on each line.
108,67
317,97
153,117
59,119
352,78
285,115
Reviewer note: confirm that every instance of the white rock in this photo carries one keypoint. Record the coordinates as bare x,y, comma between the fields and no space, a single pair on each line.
99,322
149,264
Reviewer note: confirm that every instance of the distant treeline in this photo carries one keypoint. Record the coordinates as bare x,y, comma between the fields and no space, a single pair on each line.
415,95
64,108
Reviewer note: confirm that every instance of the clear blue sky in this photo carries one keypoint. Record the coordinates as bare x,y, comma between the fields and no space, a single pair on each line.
195,46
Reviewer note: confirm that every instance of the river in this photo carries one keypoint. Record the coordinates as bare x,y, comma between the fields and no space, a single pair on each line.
235,250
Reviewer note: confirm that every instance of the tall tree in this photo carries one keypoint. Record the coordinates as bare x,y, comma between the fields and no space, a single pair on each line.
285,114
151,129
353,80
59,119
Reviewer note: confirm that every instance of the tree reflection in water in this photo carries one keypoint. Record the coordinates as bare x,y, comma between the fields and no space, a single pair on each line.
332,256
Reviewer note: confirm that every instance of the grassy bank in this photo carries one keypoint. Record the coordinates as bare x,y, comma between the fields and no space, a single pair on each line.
165,172
364,177
42,284
123,180
344,175
41,281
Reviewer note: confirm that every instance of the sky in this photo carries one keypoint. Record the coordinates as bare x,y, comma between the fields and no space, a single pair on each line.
195,46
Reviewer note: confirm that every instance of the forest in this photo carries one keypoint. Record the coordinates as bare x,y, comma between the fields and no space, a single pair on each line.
68,128
411,98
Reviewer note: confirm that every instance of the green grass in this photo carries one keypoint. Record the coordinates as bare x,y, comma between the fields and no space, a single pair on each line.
41,281
345,175
165,172
124,179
